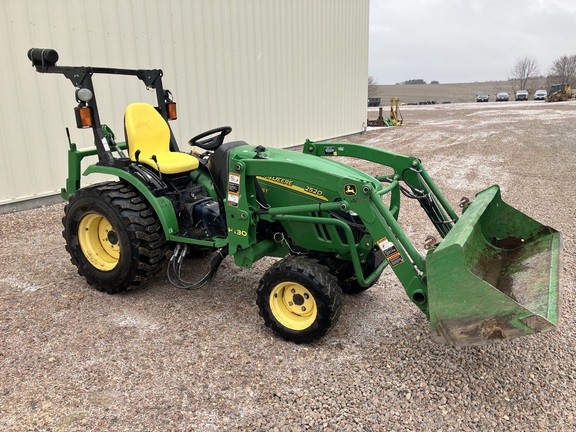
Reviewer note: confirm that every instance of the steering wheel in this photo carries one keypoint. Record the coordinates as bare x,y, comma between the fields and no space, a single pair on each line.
214,140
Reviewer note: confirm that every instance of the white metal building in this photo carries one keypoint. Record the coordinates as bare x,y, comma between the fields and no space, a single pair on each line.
277,71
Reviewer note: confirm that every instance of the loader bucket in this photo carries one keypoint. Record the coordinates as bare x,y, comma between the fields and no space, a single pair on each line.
494,276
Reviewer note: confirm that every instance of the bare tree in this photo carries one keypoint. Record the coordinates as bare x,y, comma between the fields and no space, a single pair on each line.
525,69
563,69
372,87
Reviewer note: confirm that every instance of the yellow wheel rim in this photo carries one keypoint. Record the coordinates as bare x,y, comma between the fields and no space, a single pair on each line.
99,242
293,305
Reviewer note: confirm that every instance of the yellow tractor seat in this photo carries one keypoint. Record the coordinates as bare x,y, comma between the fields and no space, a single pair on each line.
148,135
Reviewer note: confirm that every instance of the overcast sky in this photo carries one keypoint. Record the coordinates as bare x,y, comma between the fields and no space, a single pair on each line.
453,41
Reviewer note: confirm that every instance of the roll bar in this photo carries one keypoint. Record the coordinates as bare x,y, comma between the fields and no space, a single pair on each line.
45,59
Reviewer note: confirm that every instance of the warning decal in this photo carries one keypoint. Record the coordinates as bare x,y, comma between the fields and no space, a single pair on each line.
233,199
390,252
233,189
233,182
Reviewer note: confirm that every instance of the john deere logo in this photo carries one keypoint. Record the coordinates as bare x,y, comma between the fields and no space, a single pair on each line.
350,189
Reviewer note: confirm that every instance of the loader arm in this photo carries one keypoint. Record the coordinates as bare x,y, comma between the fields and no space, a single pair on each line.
495,274
407,169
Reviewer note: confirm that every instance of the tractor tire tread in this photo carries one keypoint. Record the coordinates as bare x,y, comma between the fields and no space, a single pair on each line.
144,230
316,271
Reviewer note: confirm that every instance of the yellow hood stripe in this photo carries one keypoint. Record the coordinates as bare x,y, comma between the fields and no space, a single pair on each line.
292,187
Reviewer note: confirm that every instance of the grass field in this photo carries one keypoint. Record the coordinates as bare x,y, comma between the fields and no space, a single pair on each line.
454,93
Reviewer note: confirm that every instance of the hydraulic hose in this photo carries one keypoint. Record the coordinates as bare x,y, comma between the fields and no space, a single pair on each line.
175,267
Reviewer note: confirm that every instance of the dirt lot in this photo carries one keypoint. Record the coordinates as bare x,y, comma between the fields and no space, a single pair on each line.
158,359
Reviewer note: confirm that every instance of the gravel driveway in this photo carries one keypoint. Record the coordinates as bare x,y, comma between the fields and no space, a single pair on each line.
161,359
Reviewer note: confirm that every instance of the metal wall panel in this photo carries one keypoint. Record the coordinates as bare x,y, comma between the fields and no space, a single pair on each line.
277,71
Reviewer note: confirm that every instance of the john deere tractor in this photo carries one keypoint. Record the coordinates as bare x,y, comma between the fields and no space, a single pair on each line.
493,275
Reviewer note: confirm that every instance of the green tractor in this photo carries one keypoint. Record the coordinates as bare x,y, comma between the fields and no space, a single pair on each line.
334,229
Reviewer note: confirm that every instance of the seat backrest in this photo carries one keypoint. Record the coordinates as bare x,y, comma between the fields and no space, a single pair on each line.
146,130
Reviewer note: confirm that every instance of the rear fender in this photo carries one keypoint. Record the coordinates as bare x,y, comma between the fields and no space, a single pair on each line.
161,205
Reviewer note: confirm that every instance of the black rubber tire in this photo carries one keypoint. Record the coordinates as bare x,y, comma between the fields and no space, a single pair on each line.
321,291
135,230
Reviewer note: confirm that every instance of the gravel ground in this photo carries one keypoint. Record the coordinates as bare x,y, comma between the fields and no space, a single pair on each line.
158,359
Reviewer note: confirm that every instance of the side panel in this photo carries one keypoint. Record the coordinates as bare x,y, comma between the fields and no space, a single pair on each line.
290,180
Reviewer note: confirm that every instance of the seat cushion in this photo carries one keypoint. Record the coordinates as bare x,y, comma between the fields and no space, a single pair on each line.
170,162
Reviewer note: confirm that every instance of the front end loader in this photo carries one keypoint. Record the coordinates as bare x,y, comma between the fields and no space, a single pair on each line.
493,275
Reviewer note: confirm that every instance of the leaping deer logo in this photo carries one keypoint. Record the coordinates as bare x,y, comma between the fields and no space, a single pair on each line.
349,189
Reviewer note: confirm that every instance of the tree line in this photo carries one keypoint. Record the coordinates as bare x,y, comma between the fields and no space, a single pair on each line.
526,70
562,71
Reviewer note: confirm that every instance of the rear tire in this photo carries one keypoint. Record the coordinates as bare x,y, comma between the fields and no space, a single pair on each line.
113,236
299,299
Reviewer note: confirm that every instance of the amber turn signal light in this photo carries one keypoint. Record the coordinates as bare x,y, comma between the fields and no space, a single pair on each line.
172,111
83,117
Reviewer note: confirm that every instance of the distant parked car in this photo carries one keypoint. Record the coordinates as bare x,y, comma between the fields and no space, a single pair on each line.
482,97
374,101
502,96
522,95
540,94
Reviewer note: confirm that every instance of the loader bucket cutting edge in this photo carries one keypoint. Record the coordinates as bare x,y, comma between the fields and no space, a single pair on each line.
494,276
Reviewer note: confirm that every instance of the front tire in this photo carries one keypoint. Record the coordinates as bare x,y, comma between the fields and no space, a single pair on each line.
113,236
299,299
